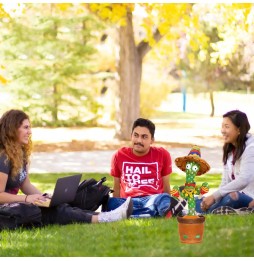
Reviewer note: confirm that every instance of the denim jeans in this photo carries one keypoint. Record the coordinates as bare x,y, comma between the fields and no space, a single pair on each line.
147,206
242,201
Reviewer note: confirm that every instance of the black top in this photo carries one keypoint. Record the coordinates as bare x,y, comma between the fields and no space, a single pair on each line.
12,185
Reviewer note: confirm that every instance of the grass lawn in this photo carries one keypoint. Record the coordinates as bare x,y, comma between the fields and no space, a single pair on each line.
224,236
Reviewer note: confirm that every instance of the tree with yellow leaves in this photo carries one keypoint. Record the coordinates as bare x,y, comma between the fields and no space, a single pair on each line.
157,22
2,14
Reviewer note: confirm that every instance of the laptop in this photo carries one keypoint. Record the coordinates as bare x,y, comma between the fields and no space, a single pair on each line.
64,192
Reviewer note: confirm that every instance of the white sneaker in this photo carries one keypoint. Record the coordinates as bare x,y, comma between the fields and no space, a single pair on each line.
122,212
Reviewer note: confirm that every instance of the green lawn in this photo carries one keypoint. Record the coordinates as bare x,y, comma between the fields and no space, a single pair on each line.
46,182
155,237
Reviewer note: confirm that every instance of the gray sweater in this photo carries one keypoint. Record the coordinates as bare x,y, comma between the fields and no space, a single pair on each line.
243,171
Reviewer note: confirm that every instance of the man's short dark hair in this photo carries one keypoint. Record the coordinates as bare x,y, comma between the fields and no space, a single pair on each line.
141,122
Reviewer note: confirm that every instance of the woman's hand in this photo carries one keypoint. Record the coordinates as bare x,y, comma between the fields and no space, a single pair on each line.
35,197
207,202
47,195
251,204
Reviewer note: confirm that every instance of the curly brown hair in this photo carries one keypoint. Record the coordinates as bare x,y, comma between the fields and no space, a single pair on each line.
17,154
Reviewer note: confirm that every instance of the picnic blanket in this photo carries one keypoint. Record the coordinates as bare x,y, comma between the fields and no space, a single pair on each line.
226,210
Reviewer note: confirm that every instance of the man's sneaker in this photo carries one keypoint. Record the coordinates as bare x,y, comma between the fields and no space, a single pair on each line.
175,208
122,212
224,210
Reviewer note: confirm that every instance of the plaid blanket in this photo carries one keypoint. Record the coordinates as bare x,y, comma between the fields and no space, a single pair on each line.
226,210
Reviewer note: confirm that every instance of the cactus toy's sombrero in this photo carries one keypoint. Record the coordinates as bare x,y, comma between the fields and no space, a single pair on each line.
194,155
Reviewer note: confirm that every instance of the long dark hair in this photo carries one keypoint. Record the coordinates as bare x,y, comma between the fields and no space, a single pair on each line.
240,120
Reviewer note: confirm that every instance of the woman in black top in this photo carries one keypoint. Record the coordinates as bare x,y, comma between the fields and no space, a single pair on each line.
15,152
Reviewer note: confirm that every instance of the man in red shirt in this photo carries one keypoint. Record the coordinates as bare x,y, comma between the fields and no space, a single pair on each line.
142,172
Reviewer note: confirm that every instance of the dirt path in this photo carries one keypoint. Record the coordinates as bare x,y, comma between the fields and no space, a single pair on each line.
204,132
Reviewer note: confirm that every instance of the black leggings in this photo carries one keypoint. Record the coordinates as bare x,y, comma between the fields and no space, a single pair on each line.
66,214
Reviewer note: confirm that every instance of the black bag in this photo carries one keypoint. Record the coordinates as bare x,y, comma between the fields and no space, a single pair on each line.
14,215
91,194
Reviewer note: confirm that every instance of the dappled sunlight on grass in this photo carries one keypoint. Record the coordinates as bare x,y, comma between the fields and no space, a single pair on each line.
140,222
46,182
154,237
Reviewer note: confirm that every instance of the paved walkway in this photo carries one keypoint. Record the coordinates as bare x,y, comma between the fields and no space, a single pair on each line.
204,132
99,161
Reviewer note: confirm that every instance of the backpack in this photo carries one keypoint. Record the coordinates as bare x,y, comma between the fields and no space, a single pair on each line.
91,194
14,215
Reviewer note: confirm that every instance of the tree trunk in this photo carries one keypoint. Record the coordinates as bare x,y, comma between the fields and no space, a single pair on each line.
130,74
55,88
54,110
212,102
129,70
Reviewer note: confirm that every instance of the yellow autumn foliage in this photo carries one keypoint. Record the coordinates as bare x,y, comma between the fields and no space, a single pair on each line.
2,80
3,13
114,13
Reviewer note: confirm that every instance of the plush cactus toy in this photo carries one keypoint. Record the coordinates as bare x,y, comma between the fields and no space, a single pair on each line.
193,166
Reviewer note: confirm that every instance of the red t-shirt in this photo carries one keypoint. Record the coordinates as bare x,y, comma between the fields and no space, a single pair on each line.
141,175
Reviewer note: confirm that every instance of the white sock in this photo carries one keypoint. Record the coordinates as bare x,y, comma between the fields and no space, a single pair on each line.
122,212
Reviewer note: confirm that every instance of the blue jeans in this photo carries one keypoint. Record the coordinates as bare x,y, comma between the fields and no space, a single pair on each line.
242,201
147,206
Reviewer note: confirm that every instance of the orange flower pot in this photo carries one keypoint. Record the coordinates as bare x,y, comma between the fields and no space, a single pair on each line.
191,229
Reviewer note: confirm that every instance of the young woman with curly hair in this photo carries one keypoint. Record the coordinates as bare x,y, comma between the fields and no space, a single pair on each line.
15,152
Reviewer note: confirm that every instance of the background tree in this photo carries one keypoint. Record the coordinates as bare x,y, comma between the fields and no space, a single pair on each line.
211,48
157,23
209,44
48,48
2,67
